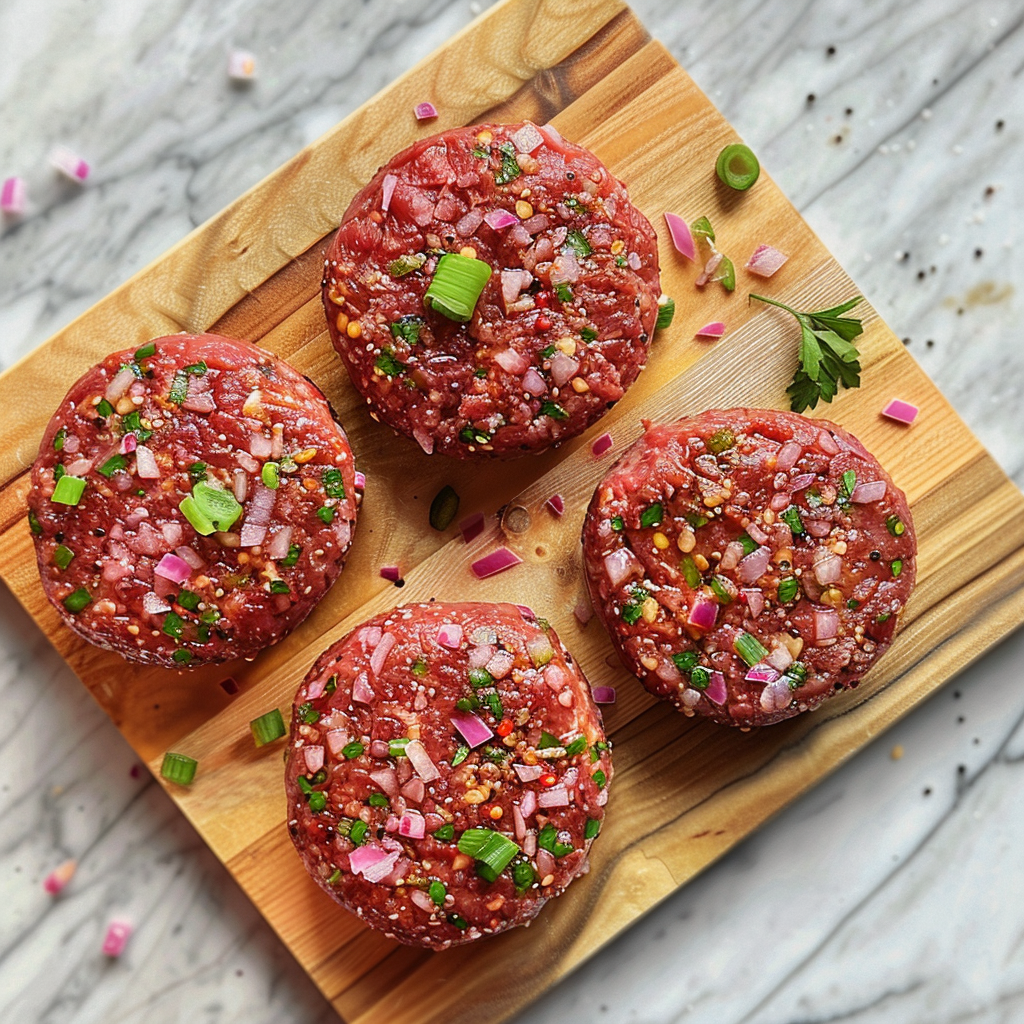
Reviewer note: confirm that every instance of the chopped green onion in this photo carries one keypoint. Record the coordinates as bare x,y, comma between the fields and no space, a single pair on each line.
189,600
294,550
480,677
591,829
458,921
467,704
700,677
444,508
480,371
104,409
308,713
617,524
408,328
697,520
352,750
554,410
460,755
789,587
112,465
620,260
490,848
721,441
791,517
749,648
577,241
69,490
325,514
147,350
547,838
270,475
457,286
334,486
377,800
210,508
690,572
547,741
471,434
279,587
173,625
666,312
33,523
388,364
493,701
652,515
357,834
853,604
685,661
884,617
523,875
600,778
445,834
267,728
396,748
749,544
577,746
210,615
701,227
419,667
849,482
77,600
406,264
564,292
719,590
437,892
510,169
179,385
896,566
633,608
895,526
588,334
179,768
58,439
62,556
547,352
131,423
737,167
182,656
335,875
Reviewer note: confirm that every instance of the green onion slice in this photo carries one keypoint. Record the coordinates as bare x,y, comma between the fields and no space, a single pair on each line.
179,768
652,515
666,311
145,352
77,600
490,848
210,508
112,466
267,728
749,648
270,475
69,490
62,556
457,285
737,167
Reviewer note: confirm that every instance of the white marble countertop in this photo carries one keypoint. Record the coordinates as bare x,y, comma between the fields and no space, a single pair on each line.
889,893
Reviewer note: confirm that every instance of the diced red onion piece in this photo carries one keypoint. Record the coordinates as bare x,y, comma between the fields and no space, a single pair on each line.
260,446
761,673
633,260
469,222
715,329
172,534
731,556
716,691
618,564
192,557
501,664
360,481
798,483
765,260
387,779
776,695
372,862
817,527
497,561
556,504
512,361
527,139
421,761
709,268
240,485
780,658
754,566
602,444
314,758
61,875
145,463
480,655
473,729
780,501
387,191
128,444
114,942
173,568
424,111
755,600
556,796
826,623
902,412
681,236
703,613
257,516
827,443
421,899
198,397
337,740
603,694
788,456
119,384
529,803
756,533
565,269
152,604
563,367
512,283
12,196
280,543
583,611
391,572
412,825
472,526
362,692
414,790
828,566
450,636
381,651
534,383
537,223
500,219
873,490
529,772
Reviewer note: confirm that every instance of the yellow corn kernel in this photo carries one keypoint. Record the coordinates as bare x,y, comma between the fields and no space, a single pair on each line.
660,541
485,138
783,555
468,251
124,405
523,210
701,562
686,541
579,385
649,609
474,796
618,245
566,345
337,296
354,329
495,812
832,596
342,322
305,455
649,663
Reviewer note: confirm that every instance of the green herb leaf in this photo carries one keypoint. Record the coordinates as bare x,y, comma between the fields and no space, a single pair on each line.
652,515
666,312
408,328
112,466
104,409
554,410
294,550
577,241
510,169
460,755
334,486
564,292
388,364
445,834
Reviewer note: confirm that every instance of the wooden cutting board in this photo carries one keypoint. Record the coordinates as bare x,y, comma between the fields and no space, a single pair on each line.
684,791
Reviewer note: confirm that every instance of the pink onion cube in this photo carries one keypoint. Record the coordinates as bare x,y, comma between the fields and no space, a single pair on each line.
902,412
71,165
425,111
12,196
241,66
118,933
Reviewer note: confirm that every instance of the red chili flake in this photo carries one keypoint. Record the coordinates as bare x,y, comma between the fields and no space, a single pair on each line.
548,779
541,300
504,727
542,323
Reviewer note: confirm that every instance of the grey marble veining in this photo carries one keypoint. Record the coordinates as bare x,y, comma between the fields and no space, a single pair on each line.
889,893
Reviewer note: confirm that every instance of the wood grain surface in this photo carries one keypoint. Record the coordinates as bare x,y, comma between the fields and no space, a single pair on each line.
684,791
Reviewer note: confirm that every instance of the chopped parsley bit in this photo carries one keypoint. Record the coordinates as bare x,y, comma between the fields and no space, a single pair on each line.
197,472
408,328
577,241
652,515
632,609
547,838
601,779
279,587
523,876
357,833
352,750
617,524
685,661
564,292
377,800
577,746
388,364
419,666
554,410
173,625
437,892
697,519
474,435
113,465
405,265
182,656
700,677
721,441
294,550
325,514
690,572
574,204
104,409
548,741
131,423
588,334
482,152
510,169
591,829
791,517
145,352
458,922
480,677
789,587
77,600
467,704
332,685
480,371
848,483
333,484
445,834
884,617
853,603
33,523
188,600
620,260
460,755
308,713
547,352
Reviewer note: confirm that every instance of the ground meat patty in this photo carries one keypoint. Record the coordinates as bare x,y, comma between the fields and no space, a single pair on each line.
447,771
212,496
563,325
748,563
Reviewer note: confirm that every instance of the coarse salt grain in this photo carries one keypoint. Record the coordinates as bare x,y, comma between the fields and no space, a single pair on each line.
241,66
71,165
12,196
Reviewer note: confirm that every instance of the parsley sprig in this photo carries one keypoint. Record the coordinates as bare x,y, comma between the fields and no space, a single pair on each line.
828,357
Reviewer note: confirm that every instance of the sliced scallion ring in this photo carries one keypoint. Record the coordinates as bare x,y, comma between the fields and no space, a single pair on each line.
457,285
267,728
179,768
69,490
666,311
216,507
737,167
